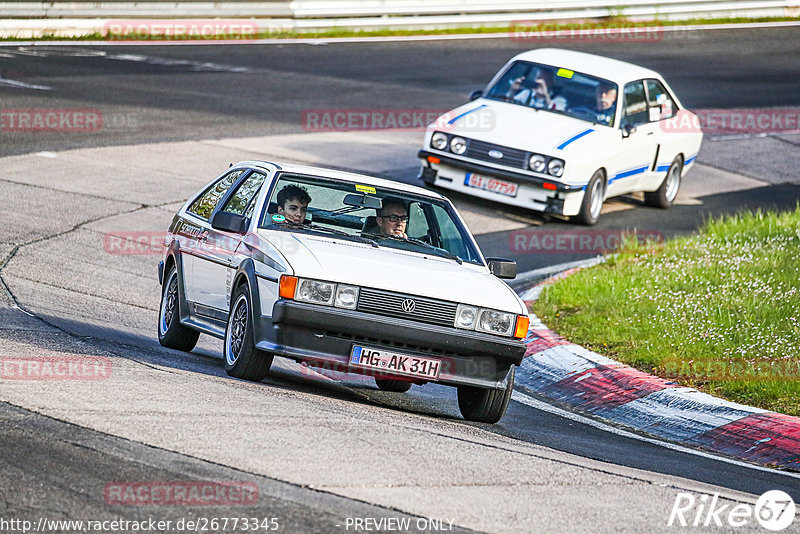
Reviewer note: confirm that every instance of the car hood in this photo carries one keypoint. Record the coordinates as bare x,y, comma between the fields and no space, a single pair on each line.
522,127
336,260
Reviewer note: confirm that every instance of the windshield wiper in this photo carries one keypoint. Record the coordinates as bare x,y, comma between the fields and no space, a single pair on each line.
439,251
333,231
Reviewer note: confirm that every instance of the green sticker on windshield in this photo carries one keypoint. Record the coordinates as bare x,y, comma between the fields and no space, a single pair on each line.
565,73
278,218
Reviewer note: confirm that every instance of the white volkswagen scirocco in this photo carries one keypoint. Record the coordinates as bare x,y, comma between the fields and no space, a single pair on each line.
346,272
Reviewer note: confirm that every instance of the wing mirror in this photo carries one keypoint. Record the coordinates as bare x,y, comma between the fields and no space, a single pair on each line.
627,130
502,268
475,95
229,222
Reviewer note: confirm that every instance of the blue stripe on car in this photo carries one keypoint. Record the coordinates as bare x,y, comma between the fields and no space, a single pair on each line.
630,172
691,160
574,138
451,121
662,168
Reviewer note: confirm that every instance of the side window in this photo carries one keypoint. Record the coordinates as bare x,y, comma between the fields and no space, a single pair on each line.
634,111
451,239
205,203
661,105
417,222
241,200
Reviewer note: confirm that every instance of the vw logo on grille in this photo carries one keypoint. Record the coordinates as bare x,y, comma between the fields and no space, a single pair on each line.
496,154
409,306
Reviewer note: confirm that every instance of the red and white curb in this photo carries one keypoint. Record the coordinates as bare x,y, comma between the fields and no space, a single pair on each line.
587,382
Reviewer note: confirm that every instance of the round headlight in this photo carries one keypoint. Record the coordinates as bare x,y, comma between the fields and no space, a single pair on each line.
537,163
458,145
555,167
439,141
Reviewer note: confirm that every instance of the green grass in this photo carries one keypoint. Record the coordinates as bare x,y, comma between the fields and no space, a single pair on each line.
719,311
610,22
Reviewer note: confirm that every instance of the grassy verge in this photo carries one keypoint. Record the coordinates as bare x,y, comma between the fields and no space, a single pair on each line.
719,311
527,32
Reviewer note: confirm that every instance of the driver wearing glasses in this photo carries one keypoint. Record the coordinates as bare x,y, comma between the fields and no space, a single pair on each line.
392,218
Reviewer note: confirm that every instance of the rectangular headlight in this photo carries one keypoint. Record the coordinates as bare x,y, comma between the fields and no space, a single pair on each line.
315,291
496,322
346,297
466,316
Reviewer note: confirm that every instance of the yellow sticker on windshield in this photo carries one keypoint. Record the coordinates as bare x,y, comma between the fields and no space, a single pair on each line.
565,73
365,189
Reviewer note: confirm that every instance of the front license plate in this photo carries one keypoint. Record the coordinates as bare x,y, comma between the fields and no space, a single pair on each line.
487,183
394,363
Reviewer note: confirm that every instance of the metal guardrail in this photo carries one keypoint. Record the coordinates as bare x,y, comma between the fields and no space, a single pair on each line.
64,18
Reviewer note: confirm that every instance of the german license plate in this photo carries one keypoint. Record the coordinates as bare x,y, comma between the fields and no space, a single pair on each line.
395,363
487,183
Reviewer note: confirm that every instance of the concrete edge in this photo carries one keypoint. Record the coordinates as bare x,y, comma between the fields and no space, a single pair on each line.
587,382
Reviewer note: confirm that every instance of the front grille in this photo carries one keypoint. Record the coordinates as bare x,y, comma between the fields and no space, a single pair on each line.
390,304
512,157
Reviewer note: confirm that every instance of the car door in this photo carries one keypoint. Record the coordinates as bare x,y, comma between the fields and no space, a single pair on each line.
638,143
660,107
215,267
198,254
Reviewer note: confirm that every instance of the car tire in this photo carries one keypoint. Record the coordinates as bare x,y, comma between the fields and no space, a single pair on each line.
485,405
242,358
592,202
665,195
171,333
398,386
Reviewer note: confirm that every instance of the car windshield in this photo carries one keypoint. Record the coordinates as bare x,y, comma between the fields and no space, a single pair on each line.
379,216
557,90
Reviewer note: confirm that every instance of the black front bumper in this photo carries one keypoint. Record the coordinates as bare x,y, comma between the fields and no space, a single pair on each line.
499,173
325,336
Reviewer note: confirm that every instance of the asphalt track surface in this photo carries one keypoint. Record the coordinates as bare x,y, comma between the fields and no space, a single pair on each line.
161,94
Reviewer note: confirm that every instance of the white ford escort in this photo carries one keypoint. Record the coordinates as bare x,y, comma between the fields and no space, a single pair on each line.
345,272
560,131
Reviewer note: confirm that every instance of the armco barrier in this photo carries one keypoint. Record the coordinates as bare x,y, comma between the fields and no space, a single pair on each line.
61,18
587,382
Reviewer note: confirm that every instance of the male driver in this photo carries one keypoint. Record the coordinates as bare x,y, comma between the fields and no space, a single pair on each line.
605,107
606,95
293,203
392,218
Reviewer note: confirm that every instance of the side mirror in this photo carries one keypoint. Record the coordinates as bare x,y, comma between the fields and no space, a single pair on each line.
475,95
628,129
229,222
503,268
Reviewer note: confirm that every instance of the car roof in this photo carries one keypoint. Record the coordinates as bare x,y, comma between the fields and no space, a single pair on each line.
603,67
341,175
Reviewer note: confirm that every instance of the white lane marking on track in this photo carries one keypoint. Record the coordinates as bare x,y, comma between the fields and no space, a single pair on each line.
46,154
539,405
23,85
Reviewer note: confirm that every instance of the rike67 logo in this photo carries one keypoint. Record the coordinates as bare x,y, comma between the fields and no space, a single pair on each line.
774,511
